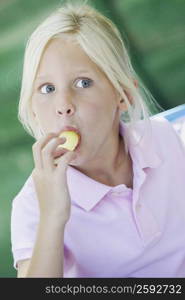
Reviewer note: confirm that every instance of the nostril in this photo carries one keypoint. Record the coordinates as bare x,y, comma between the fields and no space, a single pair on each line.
68,111
59,112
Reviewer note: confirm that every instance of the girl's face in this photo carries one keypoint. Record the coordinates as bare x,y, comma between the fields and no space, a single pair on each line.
70,89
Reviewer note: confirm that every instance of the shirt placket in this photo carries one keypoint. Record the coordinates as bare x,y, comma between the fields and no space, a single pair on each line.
146,224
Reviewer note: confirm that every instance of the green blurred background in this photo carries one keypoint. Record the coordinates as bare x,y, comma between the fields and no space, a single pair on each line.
154,32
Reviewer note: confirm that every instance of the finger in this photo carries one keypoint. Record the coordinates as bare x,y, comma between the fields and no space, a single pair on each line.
48,152
64,160
59,152
37,148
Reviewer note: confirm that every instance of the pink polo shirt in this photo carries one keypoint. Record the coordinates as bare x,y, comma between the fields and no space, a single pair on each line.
117,231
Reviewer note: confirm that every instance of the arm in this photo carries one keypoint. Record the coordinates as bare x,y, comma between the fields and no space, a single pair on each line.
54,202
47,257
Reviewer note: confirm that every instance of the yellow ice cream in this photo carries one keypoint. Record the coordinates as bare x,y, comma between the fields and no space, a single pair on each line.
71,142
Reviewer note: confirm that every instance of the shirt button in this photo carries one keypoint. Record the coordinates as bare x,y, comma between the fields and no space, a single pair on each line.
138,206
115,193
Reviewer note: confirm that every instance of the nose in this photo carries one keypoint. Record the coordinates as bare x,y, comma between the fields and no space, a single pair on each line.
67,109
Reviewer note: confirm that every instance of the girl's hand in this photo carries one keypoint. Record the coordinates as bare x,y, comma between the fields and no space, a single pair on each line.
50,179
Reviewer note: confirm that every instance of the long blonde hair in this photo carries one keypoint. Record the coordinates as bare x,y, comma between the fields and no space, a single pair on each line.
101,40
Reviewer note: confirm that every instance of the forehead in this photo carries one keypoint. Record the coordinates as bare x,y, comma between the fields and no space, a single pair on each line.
68,55
66,50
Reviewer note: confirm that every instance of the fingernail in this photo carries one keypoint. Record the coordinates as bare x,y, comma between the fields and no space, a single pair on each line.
63,139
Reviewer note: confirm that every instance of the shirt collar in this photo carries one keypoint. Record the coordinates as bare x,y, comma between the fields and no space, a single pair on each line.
87,192
141,143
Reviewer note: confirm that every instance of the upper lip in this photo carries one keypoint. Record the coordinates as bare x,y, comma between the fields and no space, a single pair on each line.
70,128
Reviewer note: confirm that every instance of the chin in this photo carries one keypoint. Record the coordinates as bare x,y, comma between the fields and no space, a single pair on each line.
78,161
74,162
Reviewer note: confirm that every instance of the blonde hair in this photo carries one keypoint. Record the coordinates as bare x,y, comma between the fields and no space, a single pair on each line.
101,40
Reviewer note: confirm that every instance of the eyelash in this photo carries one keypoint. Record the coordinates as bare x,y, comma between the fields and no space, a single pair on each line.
45,84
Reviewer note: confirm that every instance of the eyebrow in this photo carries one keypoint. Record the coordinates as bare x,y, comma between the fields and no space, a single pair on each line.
49,76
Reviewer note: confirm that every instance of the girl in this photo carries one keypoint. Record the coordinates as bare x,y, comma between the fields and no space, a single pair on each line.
115,205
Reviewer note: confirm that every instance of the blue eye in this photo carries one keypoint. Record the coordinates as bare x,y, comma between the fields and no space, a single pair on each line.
86,82
47,88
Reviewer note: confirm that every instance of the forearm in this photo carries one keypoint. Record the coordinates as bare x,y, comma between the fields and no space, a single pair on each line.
47,257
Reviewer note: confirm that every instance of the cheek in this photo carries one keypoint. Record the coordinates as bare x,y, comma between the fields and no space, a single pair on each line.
41,108
97,115
42,116
92,110
87,114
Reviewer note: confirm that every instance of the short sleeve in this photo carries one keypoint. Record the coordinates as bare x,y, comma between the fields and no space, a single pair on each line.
178,130
24,222
177,135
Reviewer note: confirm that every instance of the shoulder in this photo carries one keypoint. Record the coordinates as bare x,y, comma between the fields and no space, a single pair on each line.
158,135
164,130
166,141
27,188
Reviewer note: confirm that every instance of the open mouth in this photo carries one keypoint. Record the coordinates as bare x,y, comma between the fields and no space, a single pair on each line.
61,150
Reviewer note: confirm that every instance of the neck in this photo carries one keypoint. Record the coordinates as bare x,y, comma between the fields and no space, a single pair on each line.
115,172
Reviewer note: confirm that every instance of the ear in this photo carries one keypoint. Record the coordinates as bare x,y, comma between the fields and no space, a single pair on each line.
127,92
135,83
123,106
